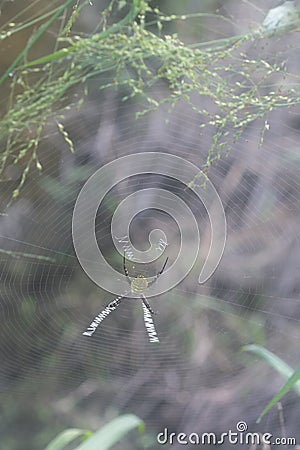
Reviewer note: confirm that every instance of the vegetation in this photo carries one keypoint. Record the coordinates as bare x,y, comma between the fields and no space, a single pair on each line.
134,51
289,374
103,439
136,59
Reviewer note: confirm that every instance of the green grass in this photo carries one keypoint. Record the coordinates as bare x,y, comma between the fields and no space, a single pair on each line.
133,57
292,377
103,439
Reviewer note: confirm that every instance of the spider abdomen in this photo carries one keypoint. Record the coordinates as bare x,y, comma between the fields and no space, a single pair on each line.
139,284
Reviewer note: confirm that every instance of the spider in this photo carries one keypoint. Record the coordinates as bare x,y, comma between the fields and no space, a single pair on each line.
138,285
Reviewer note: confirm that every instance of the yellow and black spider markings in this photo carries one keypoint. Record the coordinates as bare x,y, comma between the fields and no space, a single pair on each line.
138,285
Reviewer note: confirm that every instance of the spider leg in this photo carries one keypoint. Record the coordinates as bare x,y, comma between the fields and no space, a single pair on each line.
163,268
159,273
146,303
125,270
148,321
104,313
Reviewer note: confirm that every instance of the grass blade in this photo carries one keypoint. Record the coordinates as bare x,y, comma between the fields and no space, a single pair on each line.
284,390
65,437
34,39
274,361
112,433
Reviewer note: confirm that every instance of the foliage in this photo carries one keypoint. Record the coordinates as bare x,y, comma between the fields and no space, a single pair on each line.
293,377
103,439
135,60
66,437
284,390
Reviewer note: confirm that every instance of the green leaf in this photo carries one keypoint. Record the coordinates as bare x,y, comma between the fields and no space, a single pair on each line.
112,433
34,39
274,361
284,390
67,436
135,9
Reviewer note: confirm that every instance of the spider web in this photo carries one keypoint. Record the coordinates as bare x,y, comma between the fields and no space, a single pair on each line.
195,378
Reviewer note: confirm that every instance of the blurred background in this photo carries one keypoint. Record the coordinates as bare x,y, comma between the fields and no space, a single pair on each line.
198,379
